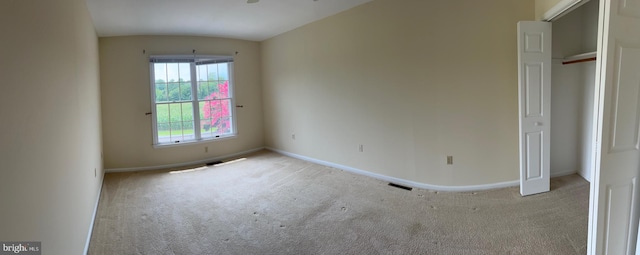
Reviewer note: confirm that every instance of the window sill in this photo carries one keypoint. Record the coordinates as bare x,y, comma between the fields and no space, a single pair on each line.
194,142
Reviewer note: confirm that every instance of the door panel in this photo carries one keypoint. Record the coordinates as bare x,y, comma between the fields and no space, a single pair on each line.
630,8
534,97
619,204
533,91
534,160
613,227
626,92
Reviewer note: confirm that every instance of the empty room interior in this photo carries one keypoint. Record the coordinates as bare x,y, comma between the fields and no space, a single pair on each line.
306,127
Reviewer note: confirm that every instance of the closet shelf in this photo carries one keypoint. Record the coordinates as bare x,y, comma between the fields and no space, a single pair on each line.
584,57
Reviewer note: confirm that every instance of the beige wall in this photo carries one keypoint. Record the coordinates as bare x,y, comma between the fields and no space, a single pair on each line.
126,98
413,81
50,121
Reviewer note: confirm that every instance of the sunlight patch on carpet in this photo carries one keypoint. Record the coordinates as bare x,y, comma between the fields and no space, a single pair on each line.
189,170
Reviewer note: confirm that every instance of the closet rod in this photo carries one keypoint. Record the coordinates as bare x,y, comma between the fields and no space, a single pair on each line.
578,61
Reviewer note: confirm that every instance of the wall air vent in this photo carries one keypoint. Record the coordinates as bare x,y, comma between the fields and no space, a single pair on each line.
400,186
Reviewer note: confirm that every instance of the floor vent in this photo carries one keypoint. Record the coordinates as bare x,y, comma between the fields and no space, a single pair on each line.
400,186
214,163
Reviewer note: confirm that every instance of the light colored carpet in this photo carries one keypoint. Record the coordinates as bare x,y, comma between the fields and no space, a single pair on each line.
273,204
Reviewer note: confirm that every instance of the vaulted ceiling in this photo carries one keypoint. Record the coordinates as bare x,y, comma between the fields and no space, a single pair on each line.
218,18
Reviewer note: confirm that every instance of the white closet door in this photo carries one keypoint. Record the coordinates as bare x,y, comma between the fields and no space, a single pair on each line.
638,244
534,96
614,211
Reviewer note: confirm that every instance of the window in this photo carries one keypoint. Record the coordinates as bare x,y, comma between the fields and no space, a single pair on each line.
192,98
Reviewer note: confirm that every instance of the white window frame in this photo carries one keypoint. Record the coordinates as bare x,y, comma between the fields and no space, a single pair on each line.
192,60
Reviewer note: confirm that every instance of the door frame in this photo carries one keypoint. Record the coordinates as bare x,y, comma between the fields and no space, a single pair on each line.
593,245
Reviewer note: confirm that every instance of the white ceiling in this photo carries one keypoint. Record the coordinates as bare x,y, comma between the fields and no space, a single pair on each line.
218,18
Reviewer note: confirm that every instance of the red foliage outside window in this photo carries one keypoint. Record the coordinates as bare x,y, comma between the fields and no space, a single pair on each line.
216,110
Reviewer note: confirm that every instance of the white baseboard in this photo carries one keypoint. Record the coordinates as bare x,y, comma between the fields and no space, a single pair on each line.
197,162
398,180
93,218
563,173
586,177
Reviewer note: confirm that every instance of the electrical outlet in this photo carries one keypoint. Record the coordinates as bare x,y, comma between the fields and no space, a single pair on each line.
361,148
206,149
293,136
449,160
95,172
